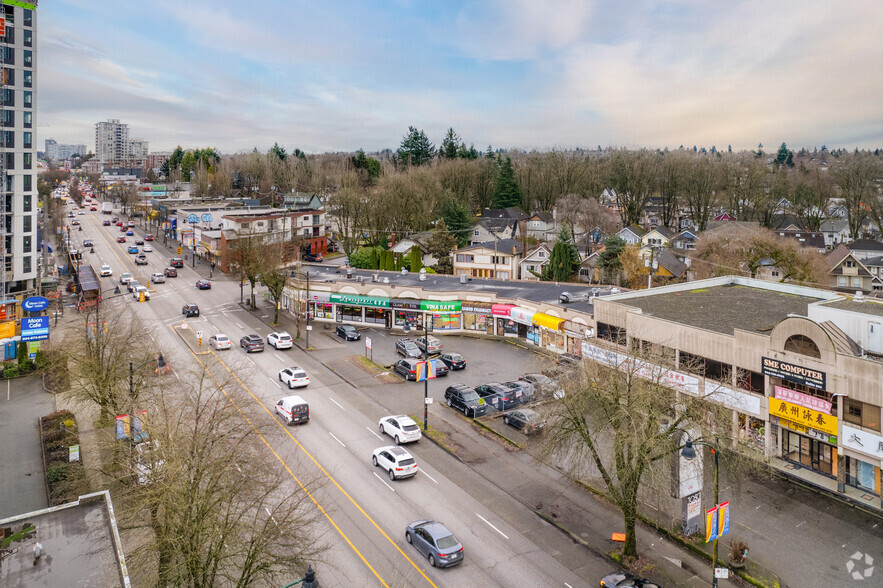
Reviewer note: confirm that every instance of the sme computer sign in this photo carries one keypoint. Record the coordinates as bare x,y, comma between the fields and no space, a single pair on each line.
35,329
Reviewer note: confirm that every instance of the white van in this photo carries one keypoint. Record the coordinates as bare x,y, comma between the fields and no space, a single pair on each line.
293,409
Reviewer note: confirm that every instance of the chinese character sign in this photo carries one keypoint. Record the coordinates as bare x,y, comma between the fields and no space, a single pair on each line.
802,399
812,419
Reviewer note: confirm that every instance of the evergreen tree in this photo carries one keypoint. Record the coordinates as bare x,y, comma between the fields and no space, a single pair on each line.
608,260
440,246
278,151
564,260
415,149
415,259
506,191
450,145
784,156
464,153
458,220
369,165
489,153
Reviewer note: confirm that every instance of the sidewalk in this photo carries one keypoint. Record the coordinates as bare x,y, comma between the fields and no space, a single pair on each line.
828,486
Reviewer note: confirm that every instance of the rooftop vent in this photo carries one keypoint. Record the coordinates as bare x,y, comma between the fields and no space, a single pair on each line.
859,296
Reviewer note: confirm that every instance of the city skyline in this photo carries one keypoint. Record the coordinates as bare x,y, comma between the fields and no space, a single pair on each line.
561,74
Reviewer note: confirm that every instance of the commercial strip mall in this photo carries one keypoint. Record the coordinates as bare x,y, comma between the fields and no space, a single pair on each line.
799,367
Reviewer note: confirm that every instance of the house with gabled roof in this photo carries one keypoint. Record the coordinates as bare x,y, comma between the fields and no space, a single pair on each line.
542,226
835,230
864,248
684,241
487,229
534,261
498,259
847,272
631,234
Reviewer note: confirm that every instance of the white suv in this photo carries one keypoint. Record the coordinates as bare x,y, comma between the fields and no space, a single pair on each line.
402,428
280,340
106,271
295,377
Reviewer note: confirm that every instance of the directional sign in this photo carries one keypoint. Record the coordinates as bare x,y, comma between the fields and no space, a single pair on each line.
192,219
207,217
199,334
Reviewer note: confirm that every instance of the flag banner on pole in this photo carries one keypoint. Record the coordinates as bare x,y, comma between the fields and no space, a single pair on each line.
711,524
723,518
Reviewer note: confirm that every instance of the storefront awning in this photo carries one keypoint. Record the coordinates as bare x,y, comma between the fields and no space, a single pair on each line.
548,321
502,309
521,315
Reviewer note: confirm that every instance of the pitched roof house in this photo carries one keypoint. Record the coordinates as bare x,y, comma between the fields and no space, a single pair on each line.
496,259
631,234
534,261
849,273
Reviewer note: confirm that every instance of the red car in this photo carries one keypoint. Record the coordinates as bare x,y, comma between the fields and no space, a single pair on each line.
148,237
121,239
94,208
119,223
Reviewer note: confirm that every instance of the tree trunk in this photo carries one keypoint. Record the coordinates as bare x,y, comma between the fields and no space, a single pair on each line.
630,547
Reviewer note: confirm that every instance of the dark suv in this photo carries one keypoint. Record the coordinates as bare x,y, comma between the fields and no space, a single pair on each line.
497,395
190,310
252,343
466,400
176,262
407,368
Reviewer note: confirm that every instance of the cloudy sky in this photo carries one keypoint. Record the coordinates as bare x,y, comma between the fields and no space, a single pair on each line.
338,76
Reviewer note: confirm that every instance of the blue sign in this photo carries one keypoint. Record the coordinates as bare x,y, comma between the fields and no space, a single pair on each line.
192,219
206,218
35,329
174,223
35,303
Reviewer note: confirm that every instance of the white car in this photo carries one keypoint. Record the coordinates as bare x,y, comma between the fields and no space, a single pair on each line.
295,377
158,278
220,341
136,293
280,340
82,212
401,428
147,248
106,271
125,278
397,462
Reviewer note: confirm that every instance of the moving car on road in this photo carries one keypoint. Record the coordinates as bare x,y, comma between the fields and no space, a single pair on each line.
293,409
147,249
397,462
176,262
433,540
106,271
141,260
466,400
130,233
526,420
125,278
132,250
88,243
139,241
408,348
171,272
105,223
313,258
251,343
132,285
203,285
280,340
401,428
158,278
121,239
136,293
295,377
348,332
148,237
220,341
189,310
626,580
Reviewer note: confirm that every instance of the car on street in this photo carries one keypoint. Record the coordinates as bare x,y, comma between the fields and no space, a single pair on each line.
526,420
295,377
133,250
105,223
93,208
466,400
189,310
454,361
348,332
280,340
115,220
131,223
121,239
176,262
88,243
171,272
544,385
401,428
220,341
148,237
435,542
626,580
139,241
158,278
435,346
139,289
132,285
105,271
313,258
407,348
147,249
252,343
125,278
397,462
122,228
525,391
75,223
70,215
82,212
497,395
130,233
203,285
293,409
141,260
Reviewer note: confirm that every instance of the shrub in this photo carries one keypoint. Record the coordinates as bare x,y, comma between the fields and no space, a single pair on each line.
41,361
57,473
10,370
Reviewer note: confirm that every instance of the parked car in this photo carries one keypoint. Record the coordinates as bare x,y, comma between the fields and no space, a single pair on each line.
125,278
314,258
106,271
176,262
171,272
139,289
280,340
293,409
252,343
568,360
348,332
466,400
407,368
408,348
397,462
526,420
141,260
189,310
295,377
435,346
203,285
525,391
401,428
220,341
454,361
544,385
434,541
626,580
497,395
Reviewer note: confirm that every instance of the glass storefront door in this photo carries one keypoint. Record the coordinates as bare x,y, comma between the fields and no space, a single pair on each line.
810,453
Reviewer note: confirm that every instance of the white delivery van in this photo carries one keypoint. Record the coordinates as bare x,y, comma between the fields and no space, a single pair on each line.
293,409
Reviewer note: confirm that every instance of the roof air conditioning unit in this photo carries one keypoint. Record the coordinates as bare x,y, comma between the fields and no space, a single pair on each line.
423,274
462,278
386,280
404,271
359,278
349,273
859,296
375,277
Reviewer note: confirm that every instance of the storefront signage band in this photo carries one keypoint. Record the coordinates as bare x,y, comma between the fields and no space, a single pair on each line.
807,417
377,301
793,373
823,437
802,399
863,441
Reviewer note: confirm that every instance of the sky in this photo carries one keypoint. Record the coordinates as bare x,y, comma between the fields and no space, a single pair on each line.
518,74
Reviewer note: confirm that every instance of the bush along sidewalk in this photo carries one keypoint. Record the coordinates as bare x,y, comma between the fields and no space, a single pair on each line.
65,476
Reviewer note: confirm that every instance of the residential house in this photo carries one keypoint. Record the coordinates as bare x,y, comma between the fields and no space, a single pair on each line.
725,217
511,213
588,268
631,234
684,241
496,259
669,268
610,200
874,265
655,238
419,240
836,231
847,272
542,226
534,261
273,225
865,248
488,229
302,201
808,240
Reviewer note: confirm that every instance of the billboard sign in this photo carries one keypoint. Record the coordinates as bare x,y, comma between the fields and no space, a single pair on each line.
35,329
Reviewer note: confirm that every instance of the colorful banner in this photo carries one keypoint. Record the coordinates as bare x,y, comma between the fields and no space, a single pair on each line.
426,370
723,518
802,399
807,417
710,524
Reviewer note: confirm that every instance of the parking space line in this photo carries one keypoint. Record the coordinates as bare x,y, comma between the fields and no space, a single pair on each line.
491,526
422,471
373,432
336,439
384,482
337,403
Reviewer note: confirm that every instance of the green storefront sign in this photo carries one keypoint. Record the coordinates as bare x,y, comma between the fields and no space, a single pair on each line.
358,299
436,306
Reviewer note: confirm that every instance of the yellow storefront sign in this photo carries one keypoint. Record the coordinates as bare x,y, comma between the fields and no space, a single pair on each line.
807,417
7,330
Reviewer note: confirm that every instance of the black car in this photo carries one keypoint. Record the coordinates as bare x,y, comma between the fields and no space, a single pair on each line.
497,395
525,420
252,343
315,258
139,241
203,285
466,400
190,310
454,361
348,332
171,272
626,580
408,348
105,223
176,262
406,368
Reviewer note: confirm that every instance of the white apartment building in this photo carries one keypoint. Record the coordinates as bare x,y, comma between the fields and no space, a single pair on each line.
18,115
58,151
138,149
111,141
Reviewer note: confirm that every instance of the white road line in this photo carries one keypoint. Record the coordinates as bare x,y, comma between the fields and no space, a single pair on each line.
224,313
373,432
490,525
341,442
568,585
422,471
238,325
252,361
279,357
176,375
274,381
337,403
384,481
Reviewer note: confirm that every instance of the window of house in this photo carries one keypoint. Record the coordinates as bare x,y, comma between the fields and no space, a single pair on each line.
849,263
28,99
8,97
749,380
28,17
475,232
612,333
10,35
841,281
10,76
541,254
10,160
9,55
245,225
499,259
464,258
857,282
775,274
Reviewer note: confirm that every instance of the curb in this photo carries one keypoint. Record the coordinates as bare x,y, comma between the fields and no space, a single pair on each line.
841,498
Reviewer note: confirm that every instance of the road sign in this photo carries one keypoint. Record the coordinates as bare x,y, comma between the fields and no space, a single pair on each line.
722,573
199,334
368,343
428,400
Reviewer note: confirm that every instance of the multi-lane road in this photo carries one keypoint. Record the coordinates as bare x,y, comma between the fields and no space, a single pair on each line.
364,513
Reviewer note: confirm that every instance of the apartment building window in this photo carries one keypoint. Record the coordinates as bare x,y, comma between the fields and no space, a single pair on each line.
28,76
464,258
8,118
862,413
29,58
10,160
307,233
28,17
27,202
26,264
26,244
8,97
28,161
9,139
10,35
245,226
26,183
9,55
28,38
26,224
10,76
27,139
28,99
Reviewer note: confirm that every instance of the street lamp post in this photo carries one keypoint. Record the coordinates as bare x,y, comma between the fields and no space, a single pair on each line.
688,452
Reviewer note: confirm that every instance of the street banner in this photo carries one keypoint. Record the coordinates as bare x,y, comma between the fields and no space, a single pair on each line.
711,524
723,518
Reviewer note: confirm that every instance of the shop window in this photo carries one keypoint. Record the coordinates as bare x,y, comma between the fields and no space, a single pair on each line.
718,371
349,313
862,413
695,364
446,321
374,315
748,380
803,345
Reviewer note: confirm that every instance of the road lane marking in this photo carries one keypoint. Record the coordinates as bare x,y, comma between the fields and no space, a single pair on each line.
374,433
252,361
422,471
490,525
384,482
238,325
337,403
325,472
274,381
336,439
279,357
